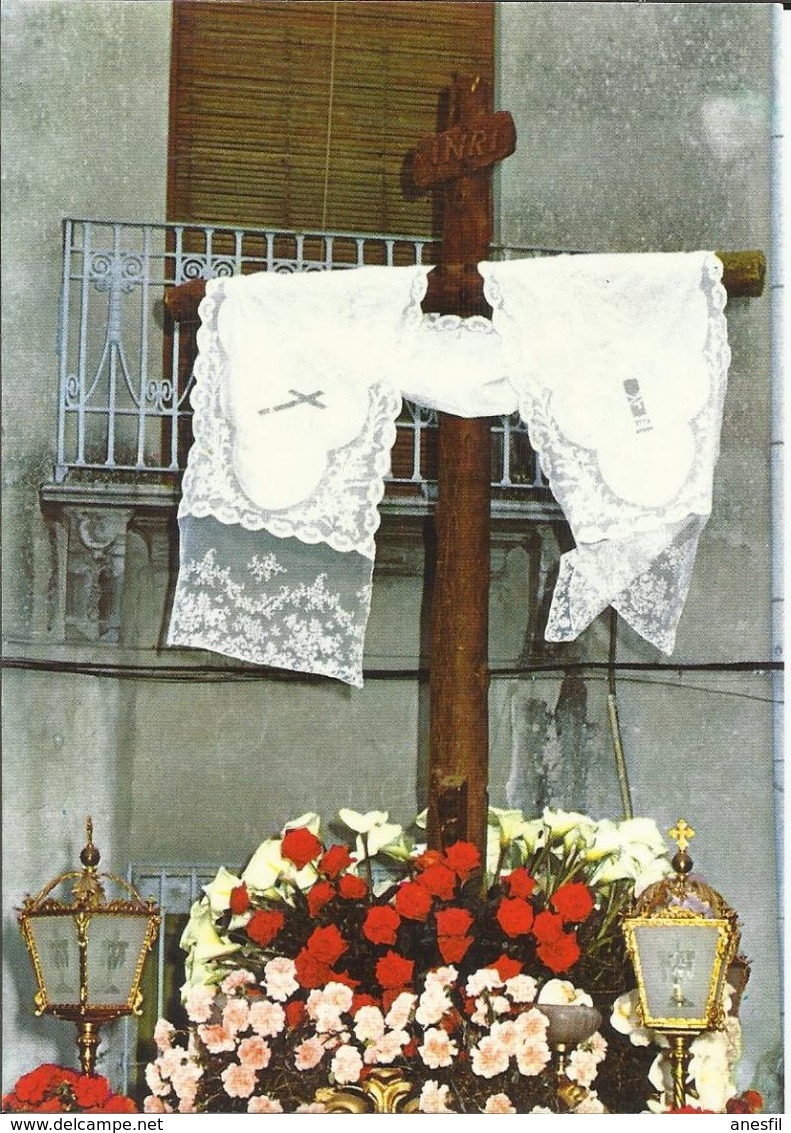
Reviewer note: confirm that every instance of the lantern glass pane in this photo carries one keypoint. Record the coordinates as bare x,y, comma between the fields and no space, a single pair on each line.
56,943
677,962
115,942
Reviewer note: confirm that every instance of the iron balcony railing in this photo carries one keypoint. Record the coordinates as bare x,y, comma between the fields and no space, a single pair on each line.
123,406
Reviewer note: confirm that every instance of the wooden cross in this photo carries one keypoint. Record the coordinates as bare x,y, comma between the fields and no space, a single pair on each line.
458,163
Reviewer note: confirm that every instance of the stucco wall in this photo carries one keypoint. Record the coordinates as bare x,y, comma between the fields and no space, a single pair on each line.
640,127
85,101
646,128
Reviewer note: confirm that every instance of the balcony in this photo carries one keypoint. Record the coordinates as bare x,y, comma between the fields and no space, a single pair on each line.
124,381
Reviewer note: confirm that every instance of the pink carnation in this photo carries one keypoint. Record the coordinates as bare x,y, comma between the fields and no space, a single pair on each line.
198,1002
490,1057
266,1018
308,1054
216,1038
262,1103
163,1034
437,1049
532,1058
236,1015
235,979
239,1081
498,1103
254,1052
279,978
153,1104
347,1064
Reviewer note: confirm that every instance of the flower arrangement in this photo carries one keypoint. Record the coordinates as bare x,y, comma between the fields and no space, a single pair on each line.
320,967
57,1089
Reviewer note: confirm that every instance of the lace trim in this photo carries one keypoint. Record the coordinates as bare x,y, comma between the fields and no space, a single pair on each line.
594,510
342,511
303,626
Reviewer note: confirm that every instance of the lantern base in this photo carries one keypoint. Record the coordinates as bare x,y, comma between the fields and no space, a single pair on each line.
87,1041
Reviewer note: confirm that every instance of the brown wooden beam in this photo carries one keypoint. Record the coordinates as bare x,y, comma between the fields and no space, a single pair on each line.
744,276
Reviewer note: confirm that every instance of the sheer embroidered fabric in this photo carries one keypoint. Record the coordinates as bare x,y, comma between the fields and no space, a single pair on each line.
618,366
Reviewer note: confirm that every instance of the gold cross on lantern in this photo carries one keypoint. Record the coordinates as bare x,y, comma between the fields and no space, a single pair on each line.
681,834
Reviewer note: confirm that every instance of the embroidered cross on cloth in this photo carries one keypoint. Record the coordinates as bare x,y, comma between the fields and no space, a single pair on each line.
616,363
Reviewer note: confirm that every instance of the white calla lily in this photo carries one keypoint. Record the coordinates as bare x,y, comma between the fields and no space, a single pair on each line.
310,820
219,890
603,841
567,824
378,838
363,823
203,944
265,866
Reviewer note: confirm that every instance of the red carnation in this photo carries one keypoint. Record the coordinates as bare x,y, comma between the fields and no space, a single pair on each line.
515,916
264,925
547,926
453,922
439,880
413,901
519,883
319,895
362,999
506,967
352,887
559,954
464,858
334,860
573,901
326,944
381,924
393,971
453,949
310,971
295,1012
429,858
240,900
91,1091
300,846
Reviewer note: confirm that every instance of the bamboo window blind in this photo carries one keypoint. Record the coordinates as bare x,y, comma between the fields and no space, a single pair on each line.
299,115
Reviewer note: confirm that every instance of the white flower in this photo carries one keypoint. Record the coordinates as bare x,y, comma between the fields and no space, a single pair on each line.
279,978
347,1064
310,820
219,890
490,1057
563,992
582,1066
532,1058
203,944
500,1104
625,1019
400,1010
369,1024
521,988
434,1098
437,1049
373,830
266,867
561,823
363,823
485,979
603,841
432,1005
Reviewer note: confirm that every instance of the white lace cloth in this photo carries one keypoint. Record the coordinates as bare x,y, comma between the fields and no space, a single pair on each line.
621,364
617,364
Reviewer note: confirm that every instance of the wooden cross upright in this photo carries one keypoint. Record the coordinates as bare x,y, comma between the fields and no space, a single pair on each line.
458,162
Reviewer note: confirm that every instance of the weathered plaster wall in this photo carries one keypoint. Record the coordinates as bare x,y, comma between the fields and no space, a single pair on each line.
85,98
646,127
641,126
